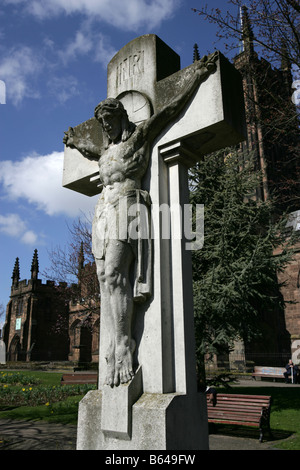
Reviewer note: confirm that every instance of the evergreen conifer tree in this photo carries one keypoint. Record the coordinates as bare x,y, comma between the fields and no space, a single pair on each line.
235,273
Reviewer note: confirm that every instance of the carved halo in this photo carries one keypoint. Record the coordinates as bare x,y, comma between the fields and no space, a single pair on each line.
137,105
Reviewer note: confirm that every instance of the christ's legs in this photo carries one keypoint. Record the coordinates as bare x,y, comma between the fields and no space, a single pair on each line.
117,306
108,317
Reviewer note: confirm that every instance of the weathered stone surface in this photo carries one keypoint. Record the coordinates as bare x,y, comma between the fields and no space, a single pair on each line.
137,105
78,169
214,118
139,65
165,367
117,407
159,422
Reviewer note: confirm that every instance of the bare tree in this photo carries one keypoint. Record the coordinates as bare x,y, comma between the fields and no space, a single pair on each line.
65,262
270,28
73,270
275,23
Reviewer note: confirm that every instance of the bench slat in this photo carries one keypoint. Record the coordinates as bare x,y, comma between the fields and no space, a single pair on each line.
236,419
77,379
244,397
244,402
235,409
236,414
273,376
241,410
242,405
244,423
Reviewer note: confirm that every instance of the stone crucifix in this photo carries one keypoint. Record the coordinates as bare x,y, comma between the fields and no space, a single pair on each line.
135,152
123,161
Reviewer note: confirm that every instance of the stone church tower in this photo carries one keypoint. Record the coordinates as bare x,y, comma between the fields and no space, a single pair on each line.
49,322
272,123
273,140
32,316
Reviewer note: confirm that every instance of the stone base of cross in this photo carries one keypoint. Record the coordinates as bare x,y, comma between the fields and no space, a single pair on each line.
160,407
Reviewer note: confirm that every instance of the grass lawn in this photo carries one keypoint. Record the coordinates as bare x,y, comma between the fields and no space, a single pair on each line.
64,411
285,410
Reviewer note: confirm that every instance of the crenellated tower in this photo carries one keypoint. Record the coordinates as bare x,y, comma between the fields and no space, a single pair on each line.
34,308
272,124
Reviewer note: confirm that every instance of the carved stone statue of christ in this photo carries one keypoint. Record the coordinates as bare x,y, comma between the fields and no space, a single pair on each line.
122,164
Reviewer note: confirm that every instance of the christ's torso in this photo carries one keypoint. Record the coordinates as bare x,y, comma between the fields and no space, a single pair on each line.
121,167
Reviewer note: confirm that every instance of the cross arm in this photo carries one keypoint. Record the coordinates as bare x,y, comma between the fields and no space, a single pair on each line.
86,146
202,69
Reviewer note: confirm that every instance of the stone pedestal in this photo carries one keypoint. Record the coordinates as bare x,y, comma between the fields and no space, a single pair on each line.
168,421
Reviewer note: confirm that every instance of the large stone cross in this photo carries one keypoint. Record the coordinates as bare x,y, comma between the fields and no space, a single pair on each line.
145,76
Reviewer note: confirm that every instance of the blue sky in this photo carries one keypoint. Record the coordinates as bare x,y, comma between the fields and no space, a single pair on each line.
53,59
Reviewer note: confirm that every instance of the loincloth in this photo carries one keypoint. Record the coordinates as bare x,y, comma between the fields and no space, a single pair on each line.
127,220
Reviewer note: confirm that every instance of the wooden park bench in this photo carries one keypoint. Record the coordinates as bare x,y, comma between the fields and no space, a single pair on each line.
243,410
268,372
77,379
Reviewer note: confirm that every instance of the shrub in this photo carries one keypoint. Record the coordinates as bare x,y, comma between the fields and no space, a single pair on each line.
39,395
18,378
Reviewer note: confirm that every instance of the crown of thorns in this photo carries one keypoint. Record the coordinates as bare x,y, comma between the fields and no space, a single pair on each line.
110,104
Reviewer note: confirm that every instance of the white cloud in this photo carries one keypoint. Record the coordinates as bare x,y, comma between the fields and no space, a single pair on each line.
104,52
29,237
126,15
63,88
38,180
18,69
82,44
2,92
88,40
13,226
21,67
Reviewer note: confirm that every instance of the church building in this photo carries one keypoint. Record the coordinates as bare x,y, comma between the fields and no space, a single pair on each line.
31,316
49,322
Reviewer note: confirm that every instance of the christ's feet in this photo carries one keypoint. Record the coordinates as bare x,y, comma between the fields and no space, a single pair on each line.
123,362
